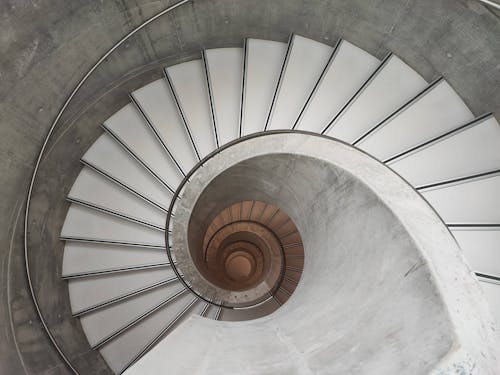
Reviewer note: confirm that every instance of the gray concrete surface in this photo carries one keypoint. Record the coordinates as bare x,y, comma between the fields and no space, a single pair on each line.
46,46
385,288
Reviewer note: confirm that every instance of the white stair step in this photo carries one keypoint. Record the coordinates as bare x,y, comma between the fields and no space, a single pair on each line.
91,187
159,108
189,83
394,84
435,112
82,222
130,128
305,62
225,74
473,150
102,323
348,70
87,292
81,257
472,202
263,62
119,352
492,294
107,155
481,249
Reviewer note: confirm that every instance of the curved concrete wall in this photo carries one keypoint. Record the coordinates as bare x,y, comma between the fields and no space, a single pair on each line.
385,289
48,45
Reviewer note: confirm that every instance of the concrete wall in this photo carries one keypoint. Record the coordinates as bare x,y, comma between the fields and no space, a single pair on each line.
46,46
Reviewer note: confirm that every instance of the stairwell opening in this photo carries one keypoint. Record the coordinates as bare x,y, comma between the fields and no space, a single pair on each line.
244,251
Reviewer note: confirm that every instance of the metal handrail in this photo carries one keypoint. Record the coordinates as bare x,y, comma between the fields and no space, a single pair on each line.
491,3
39,159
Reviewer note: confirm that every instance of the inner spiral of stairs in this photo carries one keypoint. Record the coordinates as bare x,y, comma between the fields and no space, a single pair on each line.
243,250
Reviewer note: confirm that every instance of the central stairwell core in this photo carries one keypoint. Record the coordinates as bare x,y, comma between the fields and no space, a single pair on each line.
244,250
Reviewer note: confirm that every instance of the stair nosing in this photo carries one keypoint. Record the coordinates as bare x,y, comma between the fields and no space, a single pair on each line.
155,131
320,80
122,184
109,271
458,180
181,112
435,140
111,242
123,297
132,323
415,99
210,97
357,94
279,83
111,212
131,152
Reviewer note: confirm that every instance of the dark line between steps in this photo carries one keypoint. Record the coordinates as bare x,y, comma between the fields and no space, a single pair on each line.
381,66
156,133
124,297
280,81
400,110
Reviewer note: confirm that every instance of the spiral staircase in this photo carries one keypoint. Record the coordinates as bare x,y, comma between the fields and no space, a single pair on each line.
124,283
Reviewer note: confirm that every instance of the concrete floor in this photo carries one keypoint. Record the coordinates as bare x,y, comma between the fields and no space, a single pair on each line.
46,46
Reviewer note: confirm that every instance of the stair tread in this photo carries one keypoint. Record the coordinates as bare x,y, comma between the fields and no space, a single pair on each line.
349,69
156,100
189,82
392,86
102,323
92,187
264,59
82,257
470,202
82,222
439,110
471,151
110,157
225,72
128,125
88,292
302,69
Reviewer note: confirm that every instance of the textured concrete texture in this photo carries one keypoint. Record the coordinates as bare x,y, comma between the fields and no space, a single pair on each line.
385,289
46,46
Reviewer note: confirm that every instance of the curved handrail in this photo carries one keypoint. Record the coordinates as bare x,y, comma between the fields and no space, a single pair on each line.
491,3
39,159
